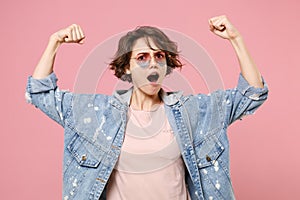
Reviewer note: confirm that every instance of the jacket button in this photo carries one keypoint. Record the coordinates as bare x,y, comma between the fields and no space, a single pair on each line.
208,158
83,157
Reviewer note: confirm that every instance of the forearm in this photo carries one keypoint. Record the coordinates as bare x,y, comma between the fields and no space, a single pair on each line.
248,68
45,65
222,27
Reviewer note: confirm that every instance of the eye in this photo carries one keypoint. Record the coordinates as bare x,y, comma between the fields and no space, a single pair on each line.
141,58
160,55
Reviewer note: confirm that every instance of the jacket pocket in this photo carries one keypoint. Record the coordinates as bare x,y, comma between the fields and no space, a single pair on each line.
208,151
84,152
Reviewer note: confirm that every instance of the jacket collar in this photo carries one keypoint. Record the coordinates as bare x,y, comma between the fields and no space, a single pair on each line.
85,112
169,98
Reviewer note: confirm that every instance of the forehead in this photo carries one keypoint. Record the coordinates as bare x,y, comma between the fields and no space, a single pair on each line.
141,45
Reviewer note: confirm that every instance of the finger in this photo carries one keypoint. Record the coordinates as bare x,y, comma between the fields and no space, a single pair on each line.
220,27
217,27
213,20
77,33
219,24
211,27
219,33
218,17
73,31
81,32
81,41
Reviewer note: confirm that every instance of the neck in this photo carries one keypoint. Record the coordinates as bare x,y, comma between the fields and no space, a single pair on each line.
142,101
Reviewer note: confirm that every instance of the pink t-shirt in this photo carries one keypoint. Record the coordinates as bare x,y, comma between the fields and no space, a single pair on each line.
150,164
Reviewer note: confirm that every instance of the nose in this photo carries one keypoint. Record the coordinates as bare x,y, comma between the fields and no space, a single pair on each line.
153,63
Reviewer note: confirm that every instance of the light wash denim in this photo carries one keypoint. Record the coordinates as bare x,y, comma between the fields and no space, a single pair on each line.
94,127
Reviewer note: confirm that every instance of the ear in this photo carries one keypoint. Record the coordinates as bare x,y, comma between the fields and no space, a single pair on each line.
127,70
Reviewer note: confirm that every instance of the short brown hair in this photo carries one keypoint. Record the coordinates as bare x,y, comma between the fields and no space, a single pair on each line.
122,57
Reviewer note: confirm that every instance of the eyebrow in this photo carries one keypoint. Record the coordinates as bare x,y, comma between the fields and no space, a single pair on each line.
155,52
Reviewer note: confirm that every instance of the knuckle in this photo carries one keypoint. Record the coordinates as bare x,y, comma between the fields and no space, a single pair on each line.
69,29
72,27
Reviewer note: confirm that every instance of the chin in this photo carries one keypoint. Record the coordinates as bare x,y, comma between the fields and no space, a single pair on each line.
151,89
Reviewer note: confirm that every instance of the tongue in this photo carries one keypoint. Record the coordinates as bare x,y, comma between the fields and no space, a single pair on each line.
153,77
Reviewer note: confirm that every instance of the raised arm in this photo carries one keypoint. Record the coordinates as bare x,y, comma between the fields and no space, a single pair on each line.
41,89
71,34
222,27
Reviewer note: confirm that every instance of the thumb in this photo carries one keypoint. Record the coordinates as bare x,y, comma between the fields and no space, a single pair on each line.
63,36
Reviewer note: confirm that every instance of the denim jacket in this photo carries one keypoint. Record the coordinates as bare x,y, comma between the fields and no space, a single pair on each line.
94,127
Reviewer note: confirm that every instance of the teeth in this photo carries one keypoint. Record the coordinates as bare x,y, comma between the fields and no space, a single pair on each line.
153,77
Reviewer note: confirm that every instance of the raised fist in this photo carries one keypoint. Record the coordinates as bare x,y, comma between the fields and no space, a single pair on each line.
71,34
222,27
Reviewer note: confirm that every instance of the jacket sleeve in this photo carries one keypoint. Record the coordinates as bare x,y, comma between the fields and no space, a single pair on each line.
243,100
45,95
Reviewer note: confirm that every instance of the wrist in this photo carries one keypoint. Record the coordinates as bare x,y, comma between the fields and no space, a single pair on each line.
55,40
54,43
236,40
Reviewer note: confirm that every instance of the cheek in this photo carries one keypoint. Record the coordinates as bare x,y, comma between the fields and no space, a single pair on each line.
162,63
143,65
139,76
163,71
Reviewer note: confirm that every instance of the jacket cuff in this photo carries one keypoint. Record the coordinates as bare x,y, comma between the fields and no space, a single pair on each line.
251,92
41,85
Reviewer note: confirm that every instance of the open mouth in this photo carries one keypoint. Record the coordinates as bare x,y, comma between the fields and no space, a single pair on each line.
153,77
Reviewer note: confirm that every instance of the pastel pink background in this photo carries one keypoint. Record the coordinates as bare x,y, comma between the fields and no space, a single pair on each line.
265,159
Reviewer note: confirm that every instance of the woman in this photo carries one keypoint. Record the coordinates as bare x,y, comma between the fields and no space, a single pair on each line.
111,151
